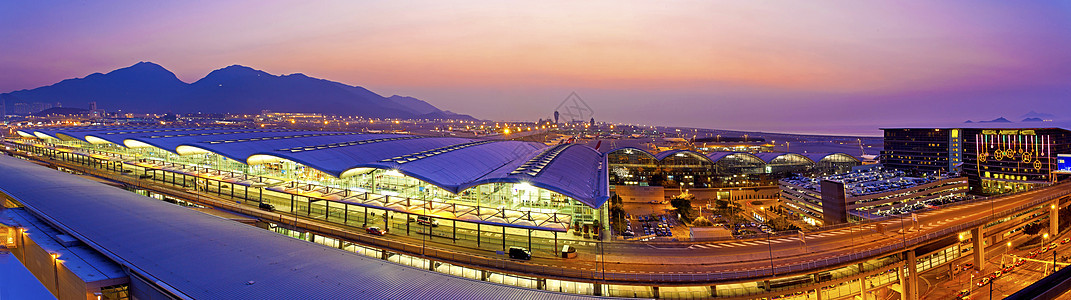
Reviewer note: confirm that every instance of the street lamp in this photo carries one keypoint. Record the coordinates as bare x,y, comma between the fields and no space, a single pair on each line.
769,244
55,270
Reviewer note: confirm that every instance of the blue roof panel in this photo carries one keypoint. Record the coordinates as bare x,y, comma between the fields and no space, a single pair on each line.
200,256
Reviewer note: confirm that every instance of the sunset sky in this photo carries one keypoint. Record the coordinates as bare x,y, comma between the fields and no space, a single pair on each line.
789,66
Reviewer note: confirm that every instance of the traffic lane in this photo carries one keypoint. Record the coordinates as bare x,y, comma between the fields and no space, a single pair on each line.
756,249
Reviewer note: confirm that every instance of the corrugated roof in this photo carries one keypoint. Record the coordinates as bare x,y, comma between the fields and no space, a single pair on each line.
817,157
768,157
573,170
453,164
664,154
206,257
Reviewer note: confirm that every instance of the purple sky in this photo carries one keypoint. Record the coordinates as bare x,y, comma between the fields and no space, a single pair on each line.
791,66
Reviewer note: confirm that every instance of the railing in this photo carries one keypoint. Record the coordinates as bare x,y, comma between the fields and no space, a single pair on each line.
595,271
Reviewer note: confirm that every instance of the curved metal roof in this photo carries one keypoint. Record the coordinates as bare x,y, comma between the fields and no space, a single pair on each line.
576,171
453,164
198,256
818,157
718,156
664,154
628,148
769,157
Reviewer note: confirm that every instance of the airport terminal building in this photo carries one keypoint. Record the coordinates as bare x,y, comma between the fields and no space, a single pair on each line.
495,194
692,169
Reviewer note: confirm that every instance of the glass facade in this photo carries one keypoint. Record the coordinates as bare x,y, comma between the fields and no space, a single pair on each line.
518,214
995,160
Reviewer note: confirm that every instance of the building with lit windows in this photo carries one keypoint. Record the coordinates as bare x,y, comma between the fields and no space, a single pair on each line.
995,160
519,193
923,149
869,192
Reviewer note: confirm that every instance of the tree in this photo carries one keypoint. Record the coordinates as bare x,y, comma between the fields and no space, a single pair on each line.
617,214
780,224
1033,228
683,204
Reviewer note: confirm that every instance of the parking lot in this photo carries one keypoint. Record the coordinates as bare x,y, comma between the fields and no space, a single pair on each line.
653,220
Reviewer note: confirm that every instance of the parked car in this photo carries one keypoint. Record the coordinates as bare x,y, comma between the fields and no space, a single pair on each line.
427,221
376,231
519,253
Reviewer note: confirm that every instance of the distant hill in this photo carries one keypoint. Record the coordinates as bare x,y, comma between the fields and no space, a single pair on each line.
148,87
62,111
997,120
1037,115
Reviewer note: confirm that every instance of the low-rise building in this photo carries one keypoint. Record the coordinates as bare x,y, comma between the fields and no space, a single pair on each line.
865,193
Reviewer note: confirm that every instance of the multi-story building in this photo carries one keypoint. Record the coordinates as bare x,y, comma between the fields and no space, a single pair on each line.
994,159
923,149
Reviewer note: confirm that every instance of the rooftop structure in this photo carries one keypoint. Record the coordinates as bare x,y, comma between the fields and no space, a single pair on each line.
633,166
867,193
189,255
522,191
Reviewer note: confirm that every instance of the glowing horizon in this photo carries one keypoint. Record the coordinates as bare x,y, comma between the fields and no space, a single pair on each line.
493,60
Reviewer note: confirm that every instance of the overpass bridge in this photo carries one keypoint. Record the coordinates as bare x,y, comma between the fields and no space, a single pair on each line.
856,255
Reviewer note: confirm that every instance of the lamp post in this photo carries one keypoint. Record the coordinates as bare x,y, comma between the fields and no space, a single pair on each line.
423,239
769,244
55,271
1045,242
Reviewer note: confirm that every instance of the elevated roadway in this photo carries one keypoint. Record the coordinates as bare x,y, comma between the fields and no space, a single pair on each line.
686,263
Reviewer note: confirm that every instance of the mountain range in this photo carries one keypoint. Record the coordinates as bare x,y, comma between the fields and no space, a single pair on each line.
147,87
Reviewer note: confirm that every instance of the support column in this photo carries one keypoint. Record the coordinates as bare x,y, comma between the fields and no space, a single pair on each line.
818,294
484,275
902,281
596,289
1054,219
979,248
862,283
911,286
713,291
654,292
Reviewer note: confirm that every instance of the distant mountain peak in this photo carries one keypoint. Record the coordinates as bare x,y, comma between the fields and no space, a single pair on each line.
238,69
149,87
1037,115
229,73
142,67
147,64
997,120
